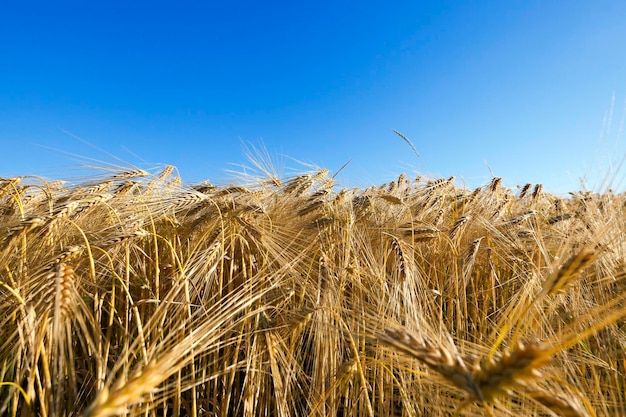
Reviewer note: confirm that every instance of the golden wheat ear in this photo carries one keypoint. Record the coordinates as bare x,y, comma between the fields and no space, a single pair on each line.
565,275
447,363
564,405
513,368
495,376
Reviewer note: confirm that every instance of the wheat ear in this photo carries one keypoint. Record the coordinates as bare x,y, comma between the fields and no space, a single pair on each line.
448,364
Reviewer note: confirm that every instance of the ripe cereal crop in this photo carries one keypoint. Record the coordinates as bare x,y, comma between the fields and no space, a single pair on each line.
136,294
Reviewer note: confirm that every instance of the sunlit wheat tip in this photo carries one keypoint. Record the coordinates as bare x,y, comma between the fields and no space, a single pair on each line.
524,190
563,277
459,224
495,184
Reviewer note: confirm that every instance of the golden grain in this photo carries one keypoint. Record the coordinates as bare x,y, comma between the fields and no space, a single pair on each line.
131,295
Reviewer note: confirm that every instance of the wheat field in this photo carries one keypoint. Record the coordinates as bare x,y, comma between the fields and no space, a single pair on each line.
135,294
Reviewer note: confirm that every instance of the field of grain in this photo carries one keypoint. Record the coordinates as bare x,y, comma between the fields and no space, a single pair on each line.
136,294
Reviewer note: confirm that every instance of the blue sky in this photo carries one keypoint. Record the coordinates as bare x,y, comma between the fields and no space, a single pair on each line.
533,91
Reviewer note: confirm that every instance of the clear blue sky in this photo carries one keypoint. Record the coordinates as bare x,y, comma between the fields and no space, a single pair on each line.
526,86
